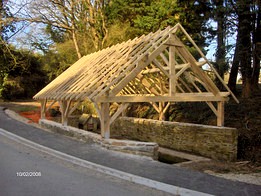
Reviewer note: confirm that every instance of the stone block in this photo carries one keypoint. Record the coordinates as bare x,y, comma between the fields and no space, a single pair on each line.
134,147
218,143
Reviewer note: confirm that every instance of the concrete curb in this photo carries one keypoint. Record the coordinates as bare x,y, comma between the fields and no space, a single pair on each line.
99,168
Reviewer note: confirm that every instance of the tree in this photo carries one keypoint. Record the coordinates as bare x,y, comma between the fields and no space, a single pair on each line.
256,44
150,15
5,51
82,21
25,79
21,75
220,16
194,16
247,51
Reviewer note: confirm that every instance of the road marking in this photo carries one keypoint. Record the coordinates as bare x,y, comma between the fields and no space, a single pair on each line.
100,168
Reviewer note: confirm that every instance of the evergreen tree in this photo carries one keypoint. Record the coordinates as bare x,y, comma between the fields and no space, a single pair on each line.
247,51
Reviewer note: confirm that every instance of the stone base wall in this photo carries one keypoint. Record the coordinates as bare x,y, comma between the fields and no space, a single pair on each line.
127,146
218,143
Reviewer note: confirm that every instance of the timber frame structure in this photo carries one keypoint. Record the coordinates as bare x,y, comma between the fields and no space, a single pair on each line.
156,68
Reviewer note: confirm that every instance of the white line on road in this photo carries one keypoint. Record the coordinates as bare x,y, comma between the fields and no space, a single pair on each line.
106,170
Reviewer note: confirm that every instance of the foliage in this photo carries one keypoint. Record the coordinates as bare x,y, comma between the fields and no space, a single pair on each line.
75,28
87,107
58,59
6,25
117,33
23,77
148,16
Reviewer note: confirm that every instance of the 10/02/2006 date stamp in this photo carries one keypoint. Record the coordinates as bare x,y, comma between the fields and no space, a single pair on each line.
28,174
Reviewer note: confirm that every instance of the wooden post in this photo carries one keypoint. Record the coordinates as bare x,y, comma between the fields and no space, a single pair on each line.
220,113
161,110
43,108
64,106
105,120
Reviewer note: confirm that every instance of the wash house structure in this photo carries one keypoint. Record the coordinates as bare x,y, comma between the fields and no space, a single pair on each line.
156,68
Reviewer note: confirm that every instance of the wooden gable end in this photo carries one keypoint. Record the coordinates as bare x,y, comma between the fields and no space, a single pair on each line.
156,68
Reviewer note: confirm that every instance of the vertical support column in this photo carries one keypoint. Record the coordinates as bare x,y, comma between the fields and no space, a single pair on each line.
105,120
161,111
63,106
172,80
124,112
220,113
43,108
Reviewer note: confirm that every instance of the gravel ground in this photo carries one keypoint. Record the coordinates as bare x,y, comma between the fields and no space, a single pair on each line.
252,178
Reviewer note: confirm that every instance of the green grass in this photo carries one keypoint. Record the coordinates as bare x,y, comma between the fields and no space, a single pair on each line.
26,108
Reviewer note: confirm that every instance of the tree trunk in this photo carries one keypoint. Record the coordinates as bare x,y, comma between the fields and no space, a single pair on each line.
73,31
247,90
256,49
97,23
76,44
232,82
236,60
245,46
221,52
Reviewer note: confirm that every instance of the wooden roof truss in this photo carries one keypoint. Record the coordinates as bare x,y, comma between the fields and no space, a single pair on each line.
156,68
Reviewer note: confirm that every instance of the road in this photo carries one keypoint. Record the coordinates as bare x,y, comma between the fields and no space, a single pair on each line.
164,177
52,176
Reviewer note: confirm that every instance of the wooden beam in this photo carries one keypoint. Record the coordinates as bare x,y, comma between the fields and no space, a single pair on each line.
185,85
161,68
43,108
147,85
154,43
177,67
166,107
155,106
178,97
105,120
182,70
49,107
164,58
74,107
173,44
180,88
172,72
220,113
199,72
97,108
162,110
140,66
213,108
161,114
120,109
63,107
67,110
205,58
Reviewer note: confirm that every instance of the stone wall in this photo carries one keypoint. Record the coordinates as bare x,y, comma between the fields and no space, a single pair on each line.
218,143
127,146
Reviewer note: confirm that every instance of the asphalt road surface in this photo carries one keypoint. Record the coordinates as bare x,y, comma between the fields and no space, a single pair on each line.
26,171
64,178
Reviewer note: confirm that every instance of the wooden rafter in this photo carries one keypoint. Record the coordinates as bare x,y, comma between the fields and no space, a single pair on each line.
154,68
